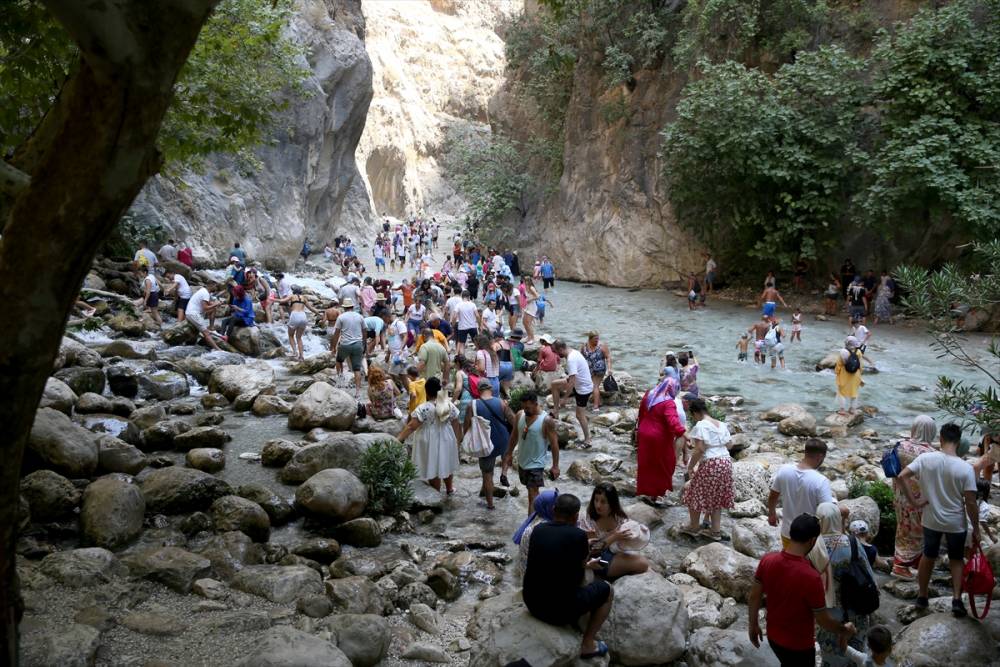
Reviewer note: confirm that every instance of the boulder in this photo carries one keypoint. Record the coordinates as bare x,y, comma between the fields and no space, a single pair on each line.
78,568
177,490
865,508
128,325
784,411
236,513
364,638
715,647
721,569
705,607
360,532
803,425
209,401
160,436
200,367
246,340
755,537
58,396
81,379
284,646
751,480
57,443
122,381
114,455
233,380
147,416
77,354
119,427
508,633
648,623
112,511
173,567
836,420
127,349
201,436
748,509
333,494
339,450
276,453
75,645
943,640
90,402
50,495
644,514
206,459
181,333
321,405
425,652
279,510
425,497
164,385
229,552
355,595
278,583
266,405
425,618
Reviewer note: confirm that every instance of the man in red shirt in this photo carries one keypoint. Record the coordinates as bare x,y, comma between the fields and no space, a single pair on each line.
795,599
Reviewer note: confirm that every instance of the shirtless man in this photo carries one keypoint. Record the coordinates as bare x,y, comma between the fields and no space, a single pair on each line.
768,298
759,330
331,314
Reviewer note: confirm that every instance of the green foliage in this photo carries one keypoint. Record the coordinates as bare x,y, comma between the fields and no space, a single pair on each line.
767,163
492,174
884,497
235,82
125,236
387,471
937,90
939,298
515,398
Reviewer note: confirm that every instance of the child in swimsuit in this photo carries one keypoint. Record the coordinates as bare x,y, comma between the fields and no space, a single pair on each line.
796,325
743,344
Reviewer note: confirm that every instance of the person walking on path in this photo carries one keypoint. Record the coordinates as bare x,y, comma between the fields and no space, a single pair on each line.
580,385
800,487
848,374
535,434
657,429
432,357
348,342
769,298
554,590
857,300
948,486
438,432
709,479
909,529
795,599
598,356
466,320
883,298
530,313
500,417
151,294
487,361
832,295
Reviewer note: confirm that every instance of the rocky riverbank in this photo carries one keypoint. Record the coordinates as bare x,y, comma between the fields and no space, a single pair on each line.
187,507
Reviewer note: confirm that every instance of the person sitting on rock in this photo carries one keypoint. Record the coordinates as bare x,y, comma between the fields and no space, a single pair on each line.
614,538
241,311
554,593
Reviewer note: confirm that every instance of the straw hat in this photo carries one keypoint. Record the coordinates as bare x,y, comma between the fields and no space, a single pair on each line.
347,303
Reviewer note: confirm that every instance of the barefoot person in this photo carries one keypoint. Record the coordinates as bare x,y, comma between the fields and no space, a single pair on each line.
348,342
298,321
598,357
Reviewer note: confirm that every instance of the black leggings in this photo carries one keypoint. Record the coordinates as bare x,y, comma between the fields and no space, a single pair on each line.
789,658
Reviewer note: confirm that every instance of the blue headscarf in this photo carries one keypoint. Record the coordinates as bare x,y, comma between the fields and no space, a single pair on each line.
544,505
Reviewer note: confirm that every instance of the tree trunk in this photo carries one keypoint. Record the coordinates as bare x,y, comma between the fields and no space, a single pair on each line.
87,161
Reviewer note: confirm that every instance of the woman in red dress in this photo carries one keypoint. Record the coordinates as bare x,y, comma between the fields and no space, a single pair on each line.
657,429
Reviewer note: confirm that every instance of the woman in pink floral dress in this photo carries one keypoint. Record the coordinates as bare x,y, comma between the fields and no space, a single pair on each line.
708,487
909,531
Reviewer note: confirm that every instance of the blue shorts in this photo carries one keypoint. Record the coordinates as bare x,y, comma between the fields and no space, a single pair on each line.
380,261
506,370
769,308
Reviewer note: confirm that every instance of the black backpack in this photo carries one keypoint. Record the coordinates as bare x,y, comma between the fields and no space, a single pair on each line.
853,363
858,592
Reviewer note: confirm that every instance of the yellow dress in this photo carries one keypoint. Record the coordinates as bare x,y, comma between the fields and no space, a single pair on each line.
847,383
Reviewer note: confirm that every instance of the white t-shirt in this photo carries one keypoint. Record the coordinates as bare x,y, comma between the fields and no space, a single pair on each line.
351,327
284,289
944,479
466,311
183,289
715,438
349,291
197,302
576,364
168,252
490,319
154,287
451,304
396,334
861,333
801,491
416,311
710,266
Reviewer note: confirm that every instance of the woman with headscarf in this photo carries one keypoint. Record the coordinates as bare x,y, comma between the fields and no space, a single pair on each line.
544,505
435,448
831,522
839,555
909,530
656,430
848,382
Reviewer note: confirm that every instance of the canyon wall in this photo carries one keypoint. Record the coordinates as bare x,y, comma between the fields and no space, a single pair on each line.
307,183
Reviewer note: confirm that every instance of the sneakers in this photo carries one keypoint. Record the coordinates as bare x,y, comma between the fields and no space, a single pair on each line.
958,608
921,603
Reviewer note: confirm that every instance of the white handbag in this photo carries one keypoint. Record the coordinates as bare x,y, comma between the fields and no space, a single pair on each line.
476,441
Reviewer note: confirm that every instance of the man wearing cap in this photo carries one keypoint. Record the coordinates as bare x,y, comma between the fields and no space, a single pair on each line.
348,341
467,321
796,601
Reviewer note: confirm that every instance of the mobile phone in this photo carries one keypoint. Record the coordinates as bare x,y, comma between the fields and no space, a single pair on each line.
602,562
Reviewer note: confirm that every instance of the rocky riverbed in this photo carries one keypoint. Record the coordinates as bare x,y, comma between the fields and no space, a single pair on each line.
187,507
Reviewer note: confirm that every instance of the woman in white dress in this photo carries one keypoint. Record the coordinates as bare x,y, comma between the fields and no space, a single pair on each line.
437,432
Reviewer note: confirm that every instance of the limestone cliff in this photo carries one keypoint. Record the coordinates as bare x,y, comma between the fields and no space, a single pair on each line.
308,184
436,65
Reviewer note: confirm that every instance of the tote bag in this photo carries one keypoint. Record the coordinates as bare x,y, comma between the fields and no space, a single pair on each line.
476,441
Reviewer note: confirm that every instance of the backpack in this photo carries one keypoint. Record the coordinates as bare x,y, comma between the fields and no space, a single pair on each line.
858,592
473,385
891,464
853,363
771,338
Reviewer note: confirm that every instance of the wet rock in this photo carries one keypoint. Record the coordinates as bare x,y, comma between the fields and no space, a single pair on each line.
90,402
178,490
605,464
127,349
356,565
58,396
75,645
355,595
195,523
145,417
128,325
246,340
164,385
339,450
942,639
50,495
361,532
81,380
200,367
425,652
321,405
722,569
802,425
847,421
784,411
417,592
173,567
201,436
364,638
160,436
265,405
80,568
335,494
181,333
78,354
279,510
113,425
714,647
57,443
209,401
276,453
755,537
864,508
112,511
751,480
284,646
425,497
509,633
644,514
229,552
314,606
206,459
425,618
445,584
648,623
278,583
210,589
236,513
233,380
581,472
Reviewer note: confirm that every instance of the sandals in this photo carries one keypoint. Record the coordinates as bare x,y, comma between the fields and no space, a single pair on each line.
685,530
715,537
652,502
585,445
602,650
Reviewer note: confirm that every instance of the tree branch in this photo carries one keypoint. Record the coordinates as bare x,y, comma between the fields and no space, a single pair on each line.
12,179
